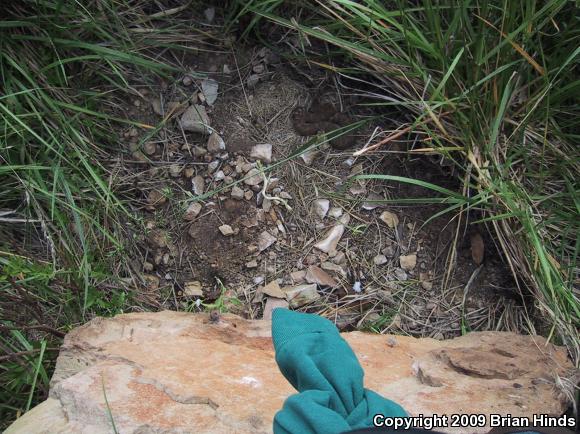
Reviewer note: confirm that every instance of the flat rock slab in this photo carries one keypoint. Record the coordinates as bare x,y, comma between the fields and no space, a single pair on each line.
176,372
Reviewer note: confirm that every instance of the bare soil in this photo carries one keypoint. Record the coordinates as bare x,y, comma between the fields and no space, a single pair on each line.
459,281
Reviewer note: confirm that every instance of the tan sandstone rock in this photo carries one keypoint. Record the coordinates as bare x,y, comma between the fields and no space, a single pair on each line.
175,372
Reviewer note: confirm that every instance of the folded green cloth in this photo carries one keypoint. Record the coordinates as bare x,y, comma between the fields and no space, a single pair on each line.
322,367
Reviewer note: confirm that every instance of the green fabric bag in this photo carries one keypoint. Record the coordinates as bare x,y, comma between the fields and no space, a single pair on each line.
322,367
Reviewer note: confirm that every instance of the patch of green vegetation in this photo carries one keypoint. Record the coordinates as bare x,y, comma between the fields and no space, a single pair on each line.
61,222
492,86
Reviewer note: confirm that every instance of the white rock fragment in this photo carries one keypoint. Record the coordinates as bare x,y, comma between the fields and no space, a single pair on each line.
262,152
192,211
317,275
219,176
237,193
271,304
252,264
197,185
372,202
335,212
273,290
211,167
301,295
400,274
390,219
253,177
265,240
215,143
210,88
226,230
408,262
320,207
209,15
193,289
344,220
380,260
331,240
298,276
329,266
196,120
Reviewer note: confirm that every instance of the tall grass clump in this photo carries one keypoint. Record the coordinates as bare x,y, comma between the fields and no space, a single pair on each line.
494,87
60,221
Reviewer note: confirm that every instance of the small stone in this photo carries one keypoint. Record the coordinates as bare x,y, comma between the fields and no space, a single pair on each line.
265,240
192,211
148,266
211,167
139,156
339,258
187,80
196,120
262,152
389,251
301,295
215,143
400,274
209,15
226,230
426,282
317,275
156,105
298,276
151,281
248,195
335,212
390,219
259,68
237,193
188,172
320,207
149,148
380,260
199,151
357,189
266,205
273,290
408,262
155,198
210,88
252,80
331,240
198,185
309,156
175,170
344,219
285,195
253,177
252,264
271,304
193,289
329,266
219,176
372,202
258,280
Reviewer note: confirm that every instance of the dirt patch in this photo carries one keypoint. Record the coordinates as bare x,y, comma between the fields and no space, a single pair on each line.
400,271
